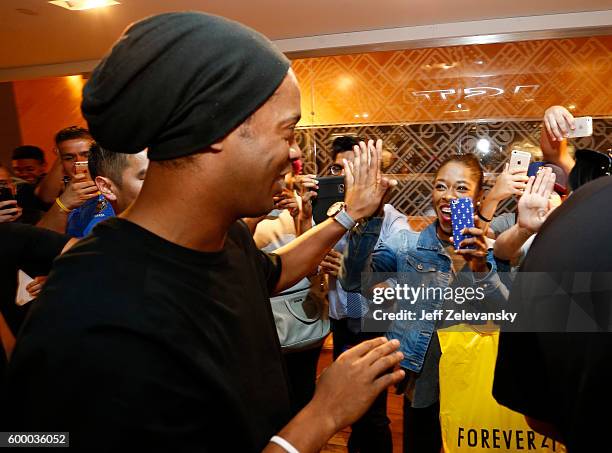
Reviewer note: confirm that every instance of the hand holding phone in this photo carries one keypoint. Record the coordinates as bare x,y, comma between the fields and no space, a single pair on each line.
462,216
81,167
519,161
583,127
80,189
9,211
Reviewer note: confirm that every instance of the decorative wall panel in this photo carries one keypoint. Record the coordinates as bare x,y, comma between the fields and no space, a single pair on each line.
494,81
417,151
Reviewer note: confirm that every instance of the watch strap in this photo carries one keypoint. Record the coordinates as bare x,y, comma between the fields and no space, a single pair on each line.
344,219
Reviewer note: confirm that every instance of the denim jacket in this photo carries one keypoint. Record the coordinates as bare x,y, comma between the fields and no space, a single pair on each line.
413,252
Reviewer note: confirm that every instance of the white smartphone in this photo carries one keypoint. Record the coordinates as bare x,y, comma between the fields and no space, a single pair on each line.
81,167
519,160
584,127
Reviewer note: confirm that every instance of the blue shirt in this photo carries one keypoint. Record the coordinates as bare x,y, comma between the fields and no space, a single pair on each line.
82,219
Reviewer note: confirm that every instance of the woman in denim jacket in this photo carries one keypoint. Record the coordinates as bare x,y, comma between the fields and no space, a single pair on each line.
429,258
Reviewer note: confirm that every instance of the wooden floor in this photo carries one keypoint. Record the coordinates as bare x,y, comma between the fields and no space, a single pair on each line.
394,411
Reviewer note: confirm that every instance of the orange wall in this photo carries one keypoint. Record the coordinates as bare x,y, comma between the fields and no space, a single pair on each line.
45,106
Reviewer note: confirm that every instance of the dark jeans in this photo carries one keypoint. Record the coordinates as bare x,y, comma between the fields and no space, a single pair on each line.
422,432
371,433
302,374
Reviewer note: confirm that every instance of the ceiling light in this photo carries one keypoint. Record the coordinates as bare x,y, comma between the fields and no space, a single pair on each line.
79,5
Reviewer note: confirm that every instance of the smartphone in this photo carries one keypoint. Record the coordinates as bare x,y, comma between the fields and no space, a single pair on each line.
81,167
584,127
331,190
6,194
534,167
462,216
519,160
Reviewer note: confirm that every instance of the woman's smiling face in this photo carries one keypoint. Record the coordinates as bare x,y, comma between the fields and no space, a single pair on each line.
453,180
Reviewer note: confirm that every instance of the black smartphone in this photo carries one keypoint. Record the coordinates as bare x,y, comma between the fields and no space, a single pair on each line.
331,190
6,194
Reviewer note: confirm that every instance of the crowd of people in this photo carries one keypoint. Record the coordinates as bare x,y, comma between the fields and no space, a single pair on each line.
179,291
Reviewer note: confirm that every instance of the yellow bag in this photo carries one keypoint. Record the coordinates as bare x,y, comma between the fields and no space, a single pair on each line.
471,419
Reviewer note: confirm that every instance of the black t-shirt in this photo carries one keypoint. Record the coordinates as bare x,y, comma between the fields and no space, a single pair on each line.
140,343
28,248
564,378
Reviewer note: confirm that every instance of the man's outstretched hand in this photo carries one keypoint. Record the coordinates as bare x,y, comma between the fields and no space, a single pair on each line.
349,386
365,185
344,393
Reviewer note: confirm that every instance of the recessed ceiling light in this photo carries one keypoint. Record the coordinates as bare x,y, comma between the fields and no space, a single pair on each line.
79,5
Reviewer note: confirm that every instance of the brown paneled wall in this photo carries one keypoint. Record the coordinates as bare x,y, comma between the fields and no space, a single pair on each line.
517,80
10,136
45,106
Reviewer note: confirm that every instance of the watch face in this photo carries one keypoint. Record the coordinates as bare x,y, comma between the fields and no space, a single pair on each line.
335,208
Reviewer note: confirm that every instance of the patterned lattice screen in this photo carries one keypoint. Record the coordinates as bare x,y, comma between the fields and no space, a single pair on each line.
418,149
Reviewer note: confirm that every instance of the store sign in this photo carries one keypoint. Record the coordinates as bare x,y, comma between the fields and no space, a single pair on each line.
470,93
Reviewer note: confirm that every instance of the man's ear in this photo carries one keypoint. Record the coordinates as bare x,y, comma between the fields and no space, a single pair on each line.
106,187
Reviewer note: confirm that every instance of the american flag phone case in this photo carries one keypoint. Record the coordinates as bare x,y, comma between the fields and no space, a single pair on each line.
462,216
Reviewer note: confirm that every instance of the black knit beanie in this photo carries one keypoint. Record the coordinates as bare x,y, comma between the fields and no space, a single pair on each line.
178,82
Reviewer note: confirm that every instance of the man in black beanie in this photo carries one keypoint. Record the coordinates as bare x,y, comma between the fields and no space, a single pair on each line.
173,346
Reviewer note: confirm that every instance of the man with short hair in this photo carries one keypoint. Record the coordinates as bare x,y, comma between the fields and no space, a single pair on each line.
342,148
73,144
78,191
174,347
28,163
119,178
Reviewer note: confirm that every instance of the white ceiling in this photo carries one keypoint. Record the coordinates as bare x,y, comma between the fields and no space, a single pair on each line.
53,35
